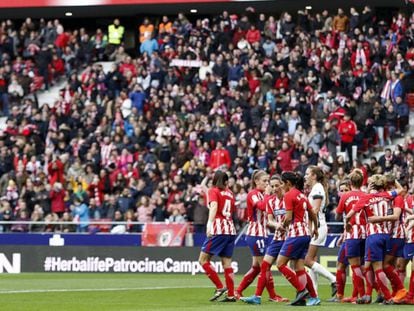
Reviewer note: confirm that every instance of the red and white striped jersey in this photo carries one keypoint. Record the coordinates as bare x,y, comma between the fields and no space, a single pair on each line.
296,201
106,152
410,233
223,221
359,221
376,204
276,208
397,227
256,214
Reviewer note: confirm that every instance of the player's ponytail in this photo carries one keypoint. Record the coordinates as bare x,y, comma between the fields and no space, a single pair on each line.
300,182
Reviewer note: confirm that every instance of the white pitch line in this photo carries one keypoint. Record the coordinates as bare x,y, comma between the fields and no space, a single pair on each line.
64,290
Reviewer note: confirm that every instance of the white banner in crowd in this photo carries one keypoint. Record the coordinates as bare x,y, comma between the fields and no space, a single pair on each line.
186,63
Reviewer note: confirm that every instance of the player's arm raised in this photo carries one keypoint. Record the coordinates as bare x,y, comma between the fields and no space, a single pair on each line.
262,204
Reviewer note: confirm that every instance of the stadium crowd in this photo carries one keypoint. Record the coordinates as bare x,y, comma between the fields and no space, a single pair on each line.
236,92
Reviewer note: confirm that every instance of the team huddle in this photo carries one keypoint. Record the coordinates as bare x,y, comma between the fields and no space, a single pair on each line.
377,242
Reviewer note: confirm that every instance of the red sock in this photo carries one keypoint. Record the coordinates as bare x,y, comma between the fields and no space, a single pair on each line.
402,274
370,279
310,286
270,285
358,279
392,275
229,276
411,287
354,292
248,279
212,275
381,279
340,282
290,275
301,275
262,280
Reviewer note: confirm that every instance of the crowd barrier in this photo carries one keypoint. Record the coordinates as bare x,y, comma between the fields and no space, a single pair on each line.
168,249
95,259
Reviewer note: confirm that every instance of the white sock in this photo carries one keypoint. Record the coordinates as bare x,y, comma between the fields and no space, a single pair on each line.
317,268
314,277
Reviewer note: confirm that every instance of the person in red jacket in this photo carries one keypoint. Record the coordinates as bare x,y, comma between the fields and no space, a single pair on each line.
347,130
55,169
284,156
58,66
57,199
253,35
220,157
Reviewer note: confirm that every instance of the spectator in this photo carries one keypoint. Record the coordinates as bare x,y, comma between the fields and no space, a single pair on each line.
144,210
149,46
68,226
176,217
56,171
37,216
347,130
80,215
341,22
159,213
220,157
165,27
115,35
22,215
145,31
403,114
284,157
57,196
152,128
253,35
354,19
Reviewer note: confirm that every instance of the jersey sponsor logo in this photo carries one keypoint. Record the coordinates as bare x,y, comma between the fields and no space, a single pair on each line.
279,212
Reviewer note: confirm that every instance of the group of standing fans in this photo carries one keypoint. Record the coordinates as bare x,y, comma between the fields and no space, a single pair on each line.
276,93
377,242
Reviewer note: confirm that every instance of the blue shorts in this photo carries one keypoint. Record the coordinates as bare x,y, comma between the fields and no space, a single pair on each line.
274,248
342,255
295,248
409,251
376,247
257,245
396,248
354,247
219,245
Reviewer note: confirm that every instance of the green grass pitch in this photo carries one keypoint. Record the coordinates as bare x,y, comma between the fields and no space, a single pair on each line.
101,292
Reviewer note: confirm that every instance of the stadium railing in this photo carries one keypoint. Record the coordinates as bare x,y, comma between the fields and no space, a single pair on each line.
105,225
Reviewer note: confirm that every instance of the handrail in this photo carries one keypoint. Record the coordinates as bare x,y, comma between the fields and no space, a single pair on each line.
95,222
25,222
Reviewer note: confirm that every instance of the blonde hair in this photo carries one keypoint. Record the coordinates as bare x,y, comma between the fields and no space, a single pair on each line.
357,178
377,181
257,174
